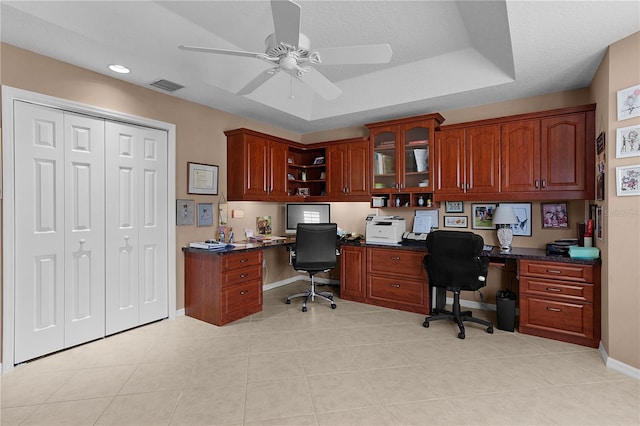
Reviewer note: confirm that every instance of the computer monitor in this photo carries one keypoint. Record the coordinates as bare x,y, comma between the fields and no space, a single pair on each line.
305,213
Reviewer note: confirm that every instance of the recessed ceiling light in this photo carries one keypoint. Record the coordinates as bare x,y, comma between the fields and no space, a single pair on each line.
119,69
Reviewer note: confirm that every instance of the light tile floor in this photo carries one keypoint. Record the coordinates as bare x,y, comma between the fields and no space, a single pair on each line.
355,365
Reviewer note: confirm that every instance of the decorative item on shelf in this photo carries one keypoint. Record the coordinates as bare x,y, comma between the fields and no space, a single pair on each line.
323,175
397,201
429,204
503,218
421,159
421,201
303,175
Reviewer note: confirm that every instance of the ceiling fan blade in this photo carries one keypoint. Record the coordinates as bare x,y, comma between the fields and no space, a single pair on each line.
320,84
220,51
262,78
286,21
370,54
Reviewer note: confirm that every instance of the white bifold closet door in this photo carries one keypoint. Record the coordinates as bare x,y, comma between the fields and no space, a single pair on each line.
90,228
59,221
136,242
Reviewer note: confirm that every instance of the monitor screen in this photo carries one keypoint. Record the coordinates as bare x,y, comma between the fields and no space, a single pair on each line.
305,213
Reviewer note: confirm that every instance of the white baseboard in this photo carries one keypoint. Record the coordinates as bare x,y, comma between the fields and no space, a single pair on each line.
180,313
621,367
300,277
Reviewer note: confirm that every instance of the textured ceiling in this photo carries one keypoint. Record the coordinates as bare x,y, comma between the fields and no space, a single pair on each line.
446,54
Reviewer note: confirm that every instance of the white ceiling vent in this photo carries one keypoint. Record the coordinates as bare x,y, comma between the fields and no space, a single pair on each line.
167,85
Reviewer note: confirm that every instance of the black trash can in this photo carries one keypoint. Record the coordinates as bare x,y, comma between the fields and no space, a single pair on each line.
506,310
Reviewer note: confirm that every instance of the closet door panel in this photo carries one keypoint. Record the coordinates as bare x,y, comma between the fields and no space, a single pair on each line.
122,227
84,229
153,278
39,227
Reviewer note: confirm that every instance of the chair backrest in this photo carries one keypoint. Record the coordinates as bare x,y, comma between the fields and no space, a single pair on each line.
453,260
315,248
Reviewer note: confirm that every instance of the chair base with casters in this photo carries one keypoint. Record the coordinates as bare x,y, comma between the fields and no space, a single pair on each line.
311,293
457,316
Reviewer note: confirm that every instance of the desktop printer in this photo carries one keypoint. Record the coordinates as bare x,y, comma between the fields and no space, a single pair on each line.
384,229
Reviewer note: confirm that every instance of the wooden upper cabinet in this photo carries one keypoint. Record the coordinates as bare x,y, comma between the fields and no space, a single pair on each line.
520,149
402,154
256,166
562,160
467,162
347,171
549,158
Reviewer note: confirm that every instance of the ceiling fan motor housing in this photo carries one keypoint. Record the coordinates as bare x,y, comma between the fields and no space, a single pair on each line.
274,49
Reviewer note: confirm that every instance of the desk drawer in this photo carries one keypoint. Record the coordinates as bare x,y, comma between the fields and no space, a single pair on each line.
396,290
557,289
241,300
241,275
557,318
389,261
557,270
240,260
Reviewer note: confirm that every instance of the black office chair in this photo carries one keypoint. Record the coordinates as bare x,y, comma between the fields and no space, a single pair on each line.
453,263
315,251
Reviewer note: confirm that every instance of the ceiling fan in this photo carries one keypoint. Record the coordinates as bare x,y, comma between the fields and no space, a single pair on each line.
289,51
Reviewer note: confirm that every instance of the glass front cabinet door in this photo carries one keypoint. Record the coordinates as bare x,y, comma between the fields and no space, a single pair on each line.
402,159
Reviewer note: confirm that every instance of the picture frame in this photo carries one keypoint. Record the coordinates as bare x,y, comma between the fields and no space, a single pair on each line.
290,176
523,214
628,141
303,191
482,216
555,215
454,207
628,102
205,214
318,160
185,212
456,222
202,178
628,180
598,223
600,143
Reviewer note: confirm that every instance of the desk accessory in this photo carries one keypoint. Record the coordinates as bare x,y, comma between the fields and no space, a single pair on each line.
504,217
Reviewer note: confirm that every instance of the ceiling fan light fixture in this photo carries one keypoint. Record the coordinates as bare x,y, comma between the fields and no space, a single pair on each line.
120,69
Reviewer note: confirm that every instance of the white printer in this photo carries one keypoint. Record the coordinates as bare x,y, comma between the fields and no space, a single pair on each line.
384,229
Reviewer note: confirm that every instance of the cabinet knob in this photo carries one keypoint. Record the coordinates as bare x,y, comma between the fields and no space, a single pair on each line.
395,258
395,285
243,292
244,275
82,241
244,260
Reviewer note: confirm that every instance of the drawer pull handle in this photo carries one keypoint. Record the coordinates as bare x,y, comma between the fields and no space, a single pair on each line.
395,258
555,290
553,271
395,285
244,275
243,292
549,308
244,260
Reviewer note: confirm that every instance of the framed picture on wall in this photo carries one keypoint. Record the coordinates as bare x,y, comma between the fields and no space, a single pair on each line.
628,102
202,179
523,215
482,216
628,180
555,215
455,222
628,142
454,206
185,212
205,214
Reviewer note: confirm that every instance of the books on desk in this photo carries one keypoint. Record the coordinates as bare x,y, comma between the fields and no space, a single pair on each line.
215,245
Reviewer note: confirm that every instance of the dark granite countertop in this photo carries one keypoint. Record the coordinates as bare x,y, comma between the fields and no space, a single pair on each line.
517,253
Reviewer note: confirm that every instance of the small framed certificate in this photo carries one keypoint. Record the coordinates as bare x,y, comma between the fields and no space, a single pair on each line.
202,179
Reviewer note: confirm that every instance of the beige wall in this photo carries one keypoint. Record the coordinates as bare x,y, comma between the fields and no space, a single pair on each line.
620,246
199,137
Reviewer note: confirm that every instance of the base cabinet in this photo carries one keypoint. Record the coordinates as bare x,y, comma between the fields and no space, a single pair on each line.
221,288
393,278
560,301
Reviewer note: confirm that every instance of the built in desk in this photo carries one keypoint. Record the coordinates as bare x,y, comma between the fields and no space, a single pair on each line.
559,297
